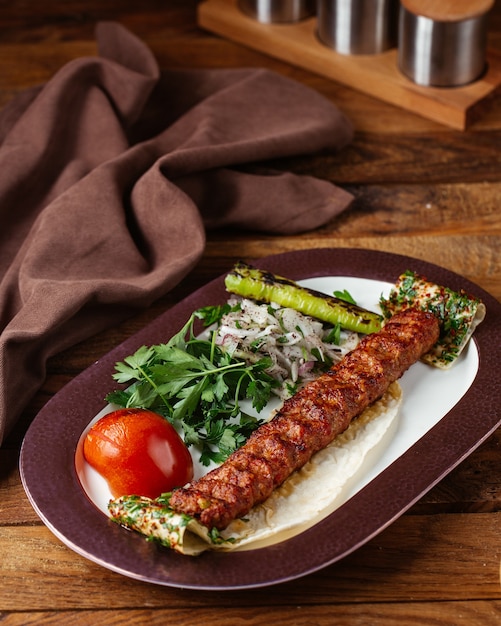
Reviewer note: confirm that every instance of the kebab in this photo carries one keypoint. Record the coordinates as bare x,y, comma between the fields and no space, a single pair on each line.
308,422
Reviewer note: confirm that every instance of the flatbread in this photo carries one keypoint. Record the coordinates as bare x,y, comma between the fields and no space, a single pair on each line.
305,498
459,314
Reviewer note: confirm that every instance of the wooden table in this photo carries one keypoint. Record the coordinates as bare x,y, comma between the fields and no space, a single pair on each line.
421,189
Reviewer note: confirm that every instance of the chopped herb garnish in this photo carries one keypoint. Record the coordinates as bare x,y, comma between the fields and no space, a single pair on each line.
334,336
345,296
198,386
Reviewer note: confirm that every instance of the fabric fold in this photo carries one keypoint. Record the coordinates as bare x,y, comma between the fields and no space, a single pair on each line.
110,175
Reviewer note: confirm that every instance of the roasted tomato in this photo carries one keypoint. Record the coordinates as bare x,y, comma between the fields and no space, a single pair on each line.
138,453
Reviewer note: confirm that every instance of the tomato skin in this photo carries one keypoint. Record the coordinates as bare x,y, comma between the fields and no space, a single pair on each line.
138,452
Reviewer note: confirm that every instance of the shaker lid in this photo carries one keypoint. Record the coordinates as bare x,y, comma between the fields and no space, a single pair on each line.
448,10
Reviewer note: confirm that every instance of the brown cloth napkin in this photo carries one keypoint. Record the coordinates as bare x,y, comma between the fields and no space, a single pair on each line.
111,173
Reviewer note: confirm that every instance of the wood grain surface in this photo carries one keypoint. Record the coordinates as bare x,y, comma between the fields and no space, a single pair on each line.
422,189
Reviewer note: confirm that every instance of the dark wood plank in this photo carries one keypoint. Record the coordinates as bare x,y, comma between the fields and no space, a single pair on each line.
426,558
32,21
479,613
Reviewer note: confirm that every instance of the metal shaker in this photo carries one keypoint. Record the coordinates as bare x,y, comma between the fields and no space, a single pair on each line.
276,11
358,26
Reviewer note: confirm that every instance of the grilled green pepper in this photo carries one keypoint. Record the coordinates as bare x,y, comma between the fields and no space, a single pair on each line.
249,282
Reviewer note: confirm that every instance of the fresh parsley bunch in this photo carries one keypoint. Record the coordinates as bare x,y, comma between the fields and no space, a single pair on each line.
195,384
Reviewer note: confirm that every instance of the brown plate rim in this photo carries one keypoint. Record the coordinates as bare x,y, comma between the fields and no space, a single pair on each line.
49,477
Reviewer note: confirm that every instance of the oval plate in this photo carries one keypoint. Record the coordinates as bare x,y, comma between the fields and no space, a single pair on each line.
57,495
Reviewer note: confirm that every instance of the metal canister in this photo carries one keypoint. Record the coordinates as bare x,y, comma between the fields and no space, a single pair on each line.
443,44
358,26
276,11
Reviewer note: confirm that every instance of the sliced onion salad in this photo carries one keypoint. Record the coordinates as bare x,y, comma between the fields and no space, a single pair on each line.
299,346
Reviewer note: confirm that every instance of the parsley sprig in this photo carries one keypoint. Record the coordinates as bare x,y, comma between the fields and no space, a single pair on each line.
196,385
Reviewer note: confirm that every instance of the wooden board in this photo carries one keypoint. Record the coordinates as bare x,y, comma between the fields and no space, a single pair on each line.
376,75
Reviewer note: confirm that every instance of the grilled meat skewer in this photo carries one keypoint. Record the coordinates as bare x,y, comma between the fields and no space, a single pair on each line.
308,421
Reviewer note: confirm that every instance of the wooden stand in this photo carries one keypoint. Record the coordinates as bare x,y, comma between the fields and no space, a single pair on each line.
376,75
